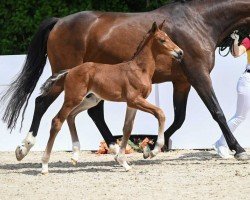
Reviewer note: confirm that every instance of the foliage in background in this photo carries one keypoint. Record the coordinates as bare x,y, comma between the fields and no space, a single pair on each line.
19,19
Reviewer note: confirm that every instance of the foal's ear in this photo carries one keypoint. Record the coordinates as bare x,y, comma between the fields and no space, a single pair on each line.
161,25
154,27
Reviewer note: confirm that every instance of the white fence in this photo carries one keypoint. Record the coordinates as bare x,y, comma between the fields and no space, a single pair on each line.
198,131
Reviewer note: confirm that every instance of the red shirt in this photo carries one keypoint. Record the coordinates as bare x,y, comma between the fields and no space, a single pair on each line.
246,43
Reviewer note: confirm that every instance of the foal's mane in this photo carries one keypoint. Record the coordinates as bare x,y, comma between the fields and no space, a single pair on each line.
142,44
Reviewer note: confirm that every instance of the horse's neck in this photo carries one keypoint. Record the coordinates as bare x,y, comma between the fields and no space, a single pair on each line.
145,60
225,16
220,17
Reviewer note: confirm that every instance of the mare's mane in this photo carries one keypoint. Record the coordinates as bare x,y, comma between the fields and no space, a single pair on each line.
227,43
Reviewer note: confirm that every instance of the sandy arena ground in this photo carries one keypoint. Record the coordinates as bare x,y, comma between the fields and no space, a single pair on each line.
180,174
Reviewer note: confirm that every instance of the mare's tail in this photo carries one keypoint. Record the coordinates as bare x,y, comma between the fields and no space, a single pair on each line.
20,90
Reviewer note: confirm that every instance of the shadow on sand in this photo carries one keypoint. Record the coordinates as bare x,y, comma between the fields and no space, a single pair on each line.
192,158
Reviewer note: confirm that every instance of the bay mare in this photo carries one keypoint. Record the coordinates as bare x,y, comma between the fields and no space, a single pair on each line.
197,26
129,82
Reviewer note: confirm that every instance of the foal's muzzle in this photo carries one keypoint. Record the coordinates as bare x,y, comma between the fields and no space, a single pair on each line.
178,54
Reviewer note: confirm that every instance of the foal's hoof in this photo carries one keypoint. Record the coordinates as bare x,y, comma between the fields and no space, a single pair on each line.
21,152
121,159
44,172
127,168
74,162
114,148
45,169
146,152
153,153
241,156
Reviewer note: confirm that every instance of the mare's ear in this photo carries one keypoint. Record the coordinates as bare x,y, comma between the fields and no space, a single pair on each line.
154,27
161,25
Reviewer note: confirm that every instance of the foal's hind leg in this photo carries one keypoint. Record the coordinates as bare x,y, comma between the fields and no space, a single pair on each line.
141,104
127,129
75,140
55,128
89,102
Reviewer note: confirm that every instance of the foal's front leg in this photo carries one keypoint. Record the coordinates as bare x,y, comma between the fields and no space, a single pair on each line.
127,129
142,104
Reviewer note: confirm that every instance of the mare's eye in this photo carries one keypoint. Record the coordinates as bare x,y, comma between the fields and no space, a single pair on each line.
162,41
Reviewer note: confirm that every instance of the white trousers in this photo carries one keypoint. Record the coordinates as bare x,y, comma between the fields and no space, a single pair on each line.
243,105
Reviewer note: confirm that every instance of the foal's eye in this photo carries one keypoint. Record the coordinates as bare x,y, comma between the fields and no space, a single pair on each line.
162,41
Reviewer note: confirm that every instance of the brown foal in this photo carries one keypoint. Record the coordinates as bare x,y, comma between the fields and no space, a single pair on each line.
129,82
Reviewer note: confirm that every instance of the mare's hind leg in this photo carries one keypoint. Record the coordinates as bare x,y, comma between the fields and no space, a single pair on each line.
56,125
41,105
141,104
127,129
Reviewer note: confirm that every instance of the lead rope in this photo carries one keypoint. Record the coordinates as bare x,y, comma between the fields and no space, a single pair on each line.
228,42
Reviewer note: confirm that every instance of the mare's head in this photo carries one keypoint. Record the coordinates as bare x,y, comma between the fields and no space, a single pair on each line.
162,44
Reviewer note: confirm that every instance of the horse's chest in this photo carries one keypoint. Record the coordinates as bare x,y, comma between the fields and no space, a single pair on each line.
145,87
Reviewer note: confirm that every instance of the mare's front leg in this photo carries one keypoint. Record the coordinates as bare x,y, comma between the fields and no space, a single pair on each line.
127,129
97,115
41,105
197,70
142,104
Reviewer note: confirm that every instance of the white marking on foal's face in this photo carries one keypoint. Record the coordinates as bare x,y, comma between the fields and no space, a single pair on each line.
174,54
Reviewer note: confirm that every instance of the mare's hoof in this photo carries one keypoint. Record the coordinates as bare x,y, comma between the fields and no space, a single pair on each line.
241,156
21,152
167,147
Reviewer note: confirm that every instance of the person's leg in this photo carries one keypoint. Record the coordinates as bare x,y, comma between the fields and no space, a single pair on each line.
243,106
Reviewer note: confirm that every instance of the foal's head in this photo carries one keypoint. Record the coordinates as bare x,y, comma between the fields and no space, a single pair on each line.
162,44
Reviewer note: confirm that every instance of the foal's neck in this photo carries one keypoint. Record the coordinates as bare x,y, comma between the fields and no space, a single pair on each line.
145,59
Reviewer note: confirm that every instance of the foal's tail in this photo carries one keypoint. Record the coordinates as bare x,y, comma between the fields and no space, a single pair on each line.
20,90
46,87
